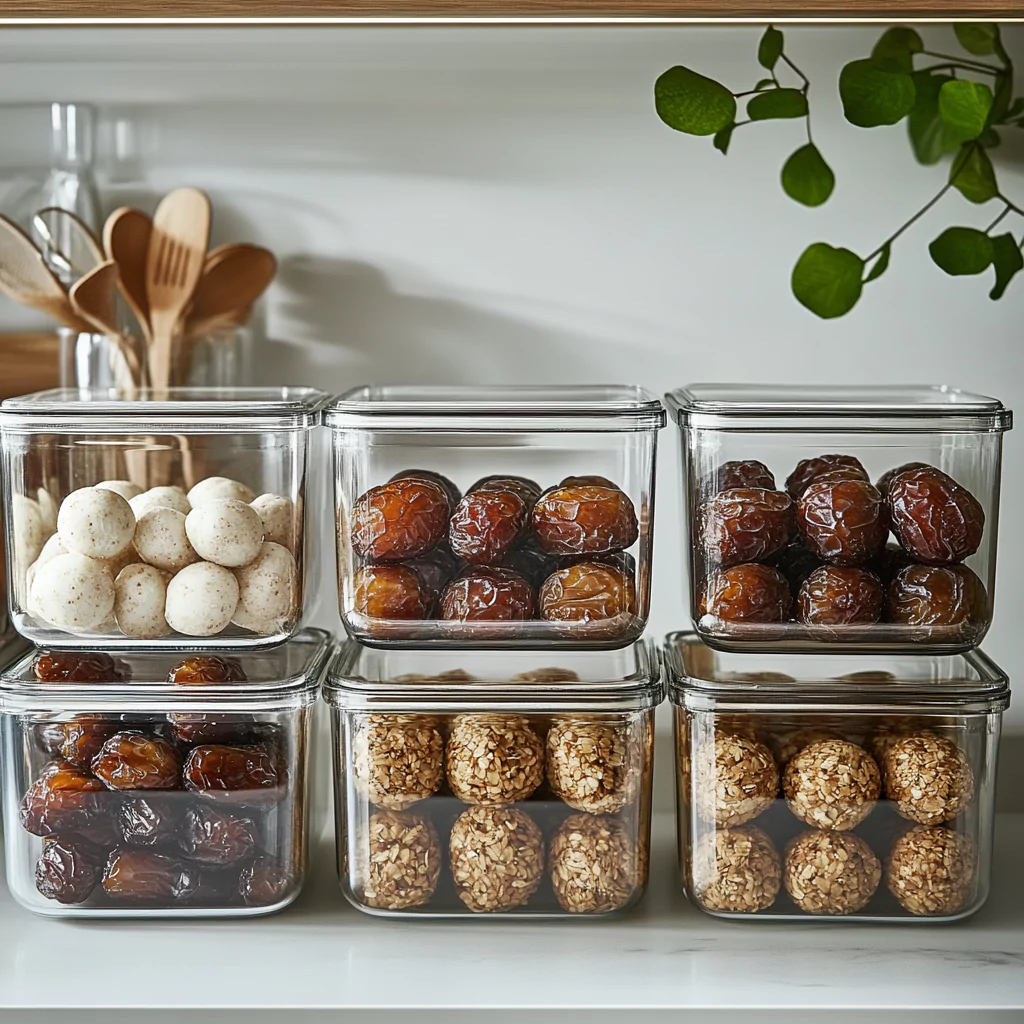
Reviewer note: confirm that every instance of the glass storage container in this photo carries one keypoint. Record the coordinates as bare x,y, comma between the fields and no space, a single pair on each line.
833,787
503,783
861,516
495,517
135,520
194,802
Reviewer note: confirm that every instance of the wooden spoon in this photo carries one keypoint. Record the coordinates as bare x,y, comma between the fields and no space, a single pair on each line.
228,287
68,240
94,298
126,241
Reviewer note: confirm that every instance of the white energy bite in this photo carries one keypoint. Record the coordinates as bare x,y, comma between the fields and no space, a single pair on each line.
125,488
278,515
160,540
29,532
201,599
160,497
73,592
96,522
268,591
225,531
140,592
219,487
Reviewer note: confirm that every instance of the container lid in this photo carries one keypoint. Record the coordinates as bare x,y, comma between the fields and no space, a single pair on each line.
284,677
363,679
704,680
476,408
177,410
899,408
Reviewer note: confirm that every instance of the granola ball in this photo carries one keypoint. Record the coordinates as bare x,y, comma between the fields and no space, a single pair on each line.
397,760
787,743
931,870
746,874
589,764
497,858
746,780
832,785
831,872
403,861
892,728
928,778
593,864
493,759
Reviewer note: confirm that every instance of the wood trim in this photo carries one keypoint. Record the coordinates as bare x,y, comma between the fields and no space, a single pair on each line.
28,362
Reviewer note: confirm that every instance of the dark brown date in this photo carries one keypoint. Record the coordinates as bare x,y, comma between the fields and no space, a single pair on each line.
84,736
844,523
527,489
534,565
133,760
808,470
837,595
486,593
391,592
264,882
189,728
747,473
587,592
436,568
246,776
67,667
140,876
593,480
486,524
935,520
68,870
748,593
796,562
745,524
399,520
451,491
936,595
888,562
214,836
64,799
886,479
206,669
149,821
585,521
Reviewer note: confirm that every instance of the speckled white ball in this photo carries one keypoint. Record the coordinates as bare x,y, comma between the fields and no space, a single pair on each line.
225,531
125,488
140,593
160,497
51,549
268,591
219,487
47,510
160,540
278,515
201,599
96,522
29,533
73,592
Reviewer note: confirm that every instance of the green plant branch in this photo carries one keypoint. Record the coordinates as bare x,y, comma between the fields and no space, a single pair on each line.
955,66
965,62
995,223
913,220
1010,206
797,71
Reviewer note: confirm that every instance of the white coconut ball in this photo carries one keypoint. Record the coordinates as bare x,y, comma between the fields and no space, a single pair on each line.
29,532
268,591
160,540
96,523
73,592
160,497
225,531
47,511
201,599
51,549
125,488
219,487
140,593
278,515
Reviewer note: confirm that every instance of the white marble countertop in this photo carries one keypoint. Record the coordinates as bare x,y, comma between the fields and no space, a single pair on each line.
321,953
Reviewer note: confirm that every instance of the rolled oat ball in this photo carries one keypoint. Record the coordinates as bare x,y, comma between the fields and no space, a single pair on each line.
892,728
787,743
140,594
403,861
73,592
225,531
160,497
831,872
746,780
928,778
160,540
201,599
397,760
219,487
125,488
268,590
593,864
96,523
278,515
832,785
746,873
931,870
493,759
590,765
497,858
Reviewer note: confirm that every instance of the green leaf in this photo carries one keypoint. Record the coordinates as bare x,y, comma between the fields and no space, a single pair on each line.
895,50
927,130
979,38
1007,260
769,50
873,97
723,138
692,103
972,175
776,104
881,264
764,83
1003,97
964,107
828,281
960,251
807,178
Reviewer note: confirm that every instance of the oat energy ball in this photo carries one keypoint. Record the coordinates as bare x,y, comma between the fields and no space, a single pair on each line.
278,514
95,522
225,531
832,785
125,488
403,861
201,599
493,759
931,870
160,540
746,779
593,864
497,858
160,497
268,591
831,872
73,592
928,778
589,764
219,487
397,760
746,874
140,594
787,743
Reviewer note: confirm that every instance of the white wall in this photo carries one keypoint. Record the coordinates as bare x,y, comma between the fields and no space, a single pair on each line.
481,205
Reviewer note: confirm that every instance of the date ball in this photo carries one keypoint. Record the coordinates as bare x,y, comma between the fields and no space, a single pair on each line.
835,595
397,760
745,875
485,524
403,861
399,520
746,780
832,785
493,759
497,858
585,520
591,764
809,470
745,524
931,870
934,595
748,593
390,592
935,519
586,592
844,522
488,594
928,778
746,473
593,864
831,872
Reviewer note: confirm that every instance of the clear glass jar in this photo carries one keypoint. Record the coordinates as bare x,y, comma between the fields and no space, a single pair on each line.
804,562
419,563
446,764
230,577
193,803
835,787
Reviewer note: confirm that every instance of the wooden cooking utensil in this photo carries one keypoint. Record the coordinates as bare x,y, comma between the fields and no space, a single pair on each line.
94,298
229,287
68,240
126,241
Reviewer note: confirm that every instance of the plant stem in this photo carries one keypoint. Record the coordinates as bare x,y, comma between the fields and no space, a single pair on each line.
1010,206
965,62
1006,210
917,216
954,66
794,68
749,92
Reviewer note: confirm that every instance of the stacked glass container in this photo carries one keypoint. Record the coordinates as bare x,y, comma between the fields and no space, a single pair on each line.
836,730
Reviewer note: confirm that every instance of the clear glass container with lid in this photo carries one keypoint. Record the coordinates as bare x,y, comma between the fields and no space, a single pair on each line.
860,516
495,516
159,785
832,787
476,784
138,519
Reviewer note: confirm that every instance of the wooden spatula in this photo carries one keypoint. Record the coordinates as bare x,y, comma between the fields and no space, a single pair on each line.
94,298
126,242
